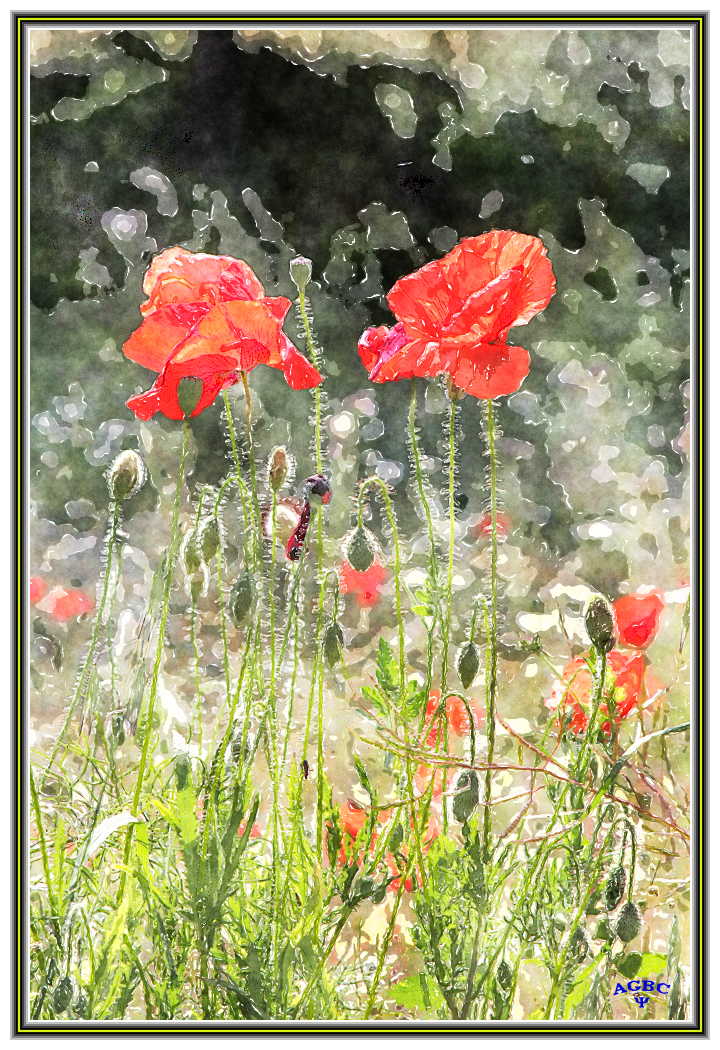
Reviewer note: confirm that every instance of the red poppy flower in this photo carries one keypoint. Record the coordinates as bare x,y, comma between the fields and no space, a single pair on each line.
207,318
66,605
457,717
363,586
637,618
628,684
455,314
38,586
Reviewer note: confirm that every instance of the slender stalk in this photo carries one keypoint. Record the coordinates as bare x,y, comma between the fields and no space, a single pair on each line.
253,474
242,487
173,549
492,640
89,659
419,479
451,543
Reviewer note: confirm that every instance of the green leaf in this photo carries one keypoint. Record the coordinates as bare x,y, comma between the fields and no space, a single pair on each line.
630,965
376,699
576,996
652,963
364,779
388,671
417,992
186,814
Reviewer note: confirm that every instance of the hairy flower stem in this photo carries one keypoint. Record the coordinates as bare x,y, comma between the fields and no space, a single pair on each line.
253,478
86,672
173,548
451,542
419,480
492,639
242,487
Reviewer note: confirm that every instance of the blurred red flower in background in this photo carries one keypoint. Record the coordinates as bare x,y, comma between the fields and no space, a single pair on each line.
628,684
482,529
455,314
363,586
637,618
38,587
66,605
352,820
207,318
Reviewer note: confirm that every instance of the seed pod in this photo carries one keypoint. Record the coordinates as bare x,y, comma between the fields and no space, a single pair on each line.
466,796
62,995
197,585
188,394
333,641
209,539
300,272
241,598
599,625
360,549
615,887
579,944
629,922
191,558
467,663
277,468
127,475
504,975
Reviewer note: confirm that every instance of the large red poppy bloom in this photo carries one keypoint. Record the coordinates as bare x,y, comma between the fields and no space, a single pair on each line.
455,314
207,318
637,618
629,684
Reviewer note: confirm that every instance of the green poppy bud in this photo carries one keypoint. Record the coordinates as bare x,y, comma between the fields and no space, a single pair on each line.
467,663
629,922
241,598
579,944
188,394
466,796
62,995
209,541
504,975
599,625
300,272
197,586
277,468
615,887
333,640
360,549
127,475
191,558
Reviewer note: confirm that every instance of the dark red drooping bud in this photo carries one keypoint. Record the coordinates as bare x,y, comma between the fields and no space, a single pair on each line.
319,486
297,540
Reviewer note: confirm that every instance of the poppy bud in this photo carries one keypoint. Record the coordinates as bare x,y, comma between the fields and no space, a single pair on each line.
182,770
615,887
466,796
241,598
467,663
62,995
579,944
189,392
599,625
277,468
360,549
504,975
333,640
629,922
300,272
318,486
127,475
209,541
197,585
191,558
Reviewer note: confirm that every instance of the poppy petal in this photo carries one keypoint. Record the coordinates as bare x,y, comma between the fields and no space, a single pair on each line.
298,371
179,276
490,370
248,332
155,341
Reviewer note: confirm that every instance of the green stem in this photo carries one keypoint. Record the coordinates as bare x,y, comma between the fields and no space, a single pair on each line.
451,544
89,659
492,639
173,548
253,477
